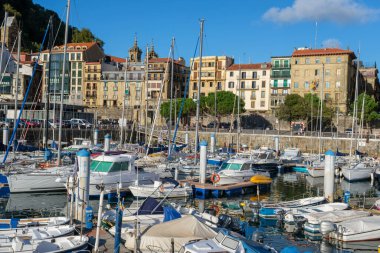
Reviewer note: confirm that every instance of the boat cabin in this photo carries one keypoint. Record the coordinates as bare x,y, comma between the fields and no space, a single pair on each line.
113,163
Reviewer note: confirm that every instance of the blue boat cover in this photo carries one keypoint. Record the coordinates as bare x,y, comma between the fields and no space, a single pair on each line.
170,213
4,187
54,145
148,206
340,153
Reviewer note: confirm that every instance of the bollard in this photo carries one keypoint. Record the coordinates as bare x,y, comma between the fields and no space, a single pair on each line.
176,173
107,141
277,143
329,176
96,134
5,135
347,196
187,138
212,143
202,162
84,183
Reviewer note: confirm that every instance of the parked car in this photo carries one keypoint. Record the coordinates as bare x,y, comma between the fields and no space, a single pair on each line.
66,123
80,123
224,125
348,130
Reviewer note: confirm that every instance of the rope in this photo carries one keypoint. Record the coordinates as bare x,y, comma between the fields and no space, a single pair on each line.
183,100
26,94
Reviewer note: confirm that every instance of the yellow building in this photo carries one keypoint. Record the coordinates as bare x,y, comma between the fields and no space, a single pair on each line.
307,66
213,76
92,75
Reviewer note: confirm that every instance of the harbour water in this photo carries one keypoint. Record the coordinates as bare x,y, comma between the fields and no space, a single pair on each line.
287,186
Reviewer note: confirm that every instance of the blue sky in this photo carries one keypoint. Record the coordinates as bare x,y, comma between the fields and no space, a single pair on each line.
245,29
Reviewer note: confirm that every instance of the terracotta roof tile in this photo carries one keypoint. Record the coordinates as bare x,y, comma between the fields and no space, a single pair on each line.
163,60
117,59
322,51
249,66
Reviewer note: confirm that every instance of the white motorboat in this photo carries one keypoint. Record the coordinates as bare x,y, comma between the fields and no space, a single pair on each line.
160,190
6,224
360,229
360,171
39,179
57,245
114,170
236,171
227,242
37,233
291,156
316,169
78,144
314,219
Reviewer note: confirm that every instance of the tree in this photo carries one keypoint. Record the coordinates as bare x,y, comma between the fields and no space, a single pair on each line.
292,109
313,103
370,109
188,109
225,101
85,35
12,11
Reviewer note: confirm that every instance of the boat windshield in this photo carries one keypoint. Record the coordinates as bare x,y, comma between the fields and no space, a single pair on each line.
219,237
230,243
230,166
263,156
102,166
292,153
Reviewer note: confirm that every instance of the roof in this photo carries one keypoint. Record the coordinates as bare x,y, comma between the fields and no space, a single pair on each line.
83,46
249,66
117,59
321,51
164,60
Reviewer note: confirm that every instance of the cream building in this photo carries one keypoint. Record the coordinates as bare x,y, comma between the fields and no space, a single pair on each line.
253,81
307,66
213,74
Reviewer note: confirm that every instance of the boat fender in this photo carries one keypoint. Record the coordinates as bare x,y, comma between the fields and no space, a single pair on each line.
215,178
209,217
327,227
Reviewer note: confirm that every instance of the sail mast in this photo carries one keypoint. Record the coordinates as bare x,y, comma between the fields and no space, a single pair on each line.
198,93
171,99
321,111
354,114
16,87
3,43
123,111
47,92
63,83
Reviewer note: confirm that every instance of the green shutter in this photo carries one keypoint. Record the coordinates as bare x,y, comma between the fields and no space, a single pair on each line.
285,83
275,83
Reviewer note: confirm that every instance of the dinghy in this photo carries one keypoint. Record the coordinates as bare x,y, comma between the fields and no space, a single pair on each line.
161,189
6,224
37,233
361,171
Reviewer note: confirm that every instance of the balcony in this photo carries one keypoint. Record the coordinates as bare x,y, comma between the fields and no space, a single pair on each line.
281,66
280,75
91,70
87,79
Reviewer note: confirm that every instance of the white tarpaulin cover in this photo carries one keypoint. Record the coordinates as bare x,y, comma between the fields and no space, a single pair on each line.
361,225
335,216
182,230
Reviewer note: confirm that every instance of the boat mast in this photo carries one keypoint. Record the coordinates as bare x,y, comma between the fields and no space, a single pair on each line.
3,43
321,111
199,93
146,93
362,116
47,92
238,111
123,111
16,88
171,99
63,83
354,114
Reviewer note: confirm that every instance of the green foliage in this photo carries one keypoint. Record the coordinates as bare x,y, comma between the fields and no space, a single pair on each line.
225,101
292,109
12,12
188,109
312,102
370,108
85,35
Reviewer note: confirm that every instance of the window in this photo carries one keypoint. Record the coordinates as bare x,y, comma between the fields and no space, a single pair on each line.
327,72
263,94
275,83
262,84
306,85
253,95
242,95
203,84
115,87
317,61
296,61
327,96
339,60
211,84
253,104
327,84
105,87
79,56
45,57
337,84
242,85
243,75
316,72
194,86
328,60
274,91
295,85
262,103
72,56
285,92
276,64
307,60
253,84
219,87
231,73
254,75
338,72
264,72
286,63
231,84
285,83
194,95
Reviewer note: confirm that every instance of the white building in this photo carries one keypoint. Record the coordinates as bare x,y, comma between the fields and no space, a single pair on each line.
253,81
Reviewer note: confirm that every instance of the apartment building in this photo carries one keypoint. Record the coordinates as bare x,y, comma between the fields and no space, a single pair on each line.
280,80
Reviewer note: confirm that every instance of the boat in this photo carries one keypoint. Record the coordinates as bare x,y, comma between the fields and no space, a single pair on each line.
6,224
159,237
357,172
226,241
313,220
236,171
160,189
265,161
79,143
269,210
316,169
37,233
116,170
360,229
291,156
55,245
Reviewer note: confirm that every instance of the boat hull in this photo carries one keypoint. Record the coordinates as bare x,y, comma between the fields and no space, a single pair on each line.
316,172
352,175
29,183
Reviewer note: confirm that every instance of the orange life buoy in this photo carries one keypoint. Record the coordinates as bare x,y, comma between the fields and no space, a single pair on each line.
215,178
44,165
216,209
161,189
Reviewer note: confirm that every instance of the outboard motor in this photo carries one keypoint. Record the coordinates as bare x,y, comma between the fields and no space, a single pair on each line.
258,237
299,222
327,227
280,217
255,209
224,221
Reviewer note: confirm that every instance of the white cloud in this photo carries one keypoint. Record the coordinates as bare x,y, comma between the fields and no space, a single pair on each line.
331,43
339,11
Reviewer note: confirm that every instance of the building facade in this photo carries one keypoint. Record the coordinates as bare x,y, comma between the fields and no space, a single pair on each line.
92,77
370,77
78,54
251,82
280,80
213,76
338,81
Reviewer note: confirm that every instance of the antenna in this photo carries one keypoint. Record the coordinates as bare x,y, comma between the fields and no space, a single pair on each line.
316,35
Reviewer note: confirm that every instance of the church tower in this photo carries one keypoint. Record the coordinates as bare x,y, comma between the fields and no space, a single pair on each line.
135,52
152,54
